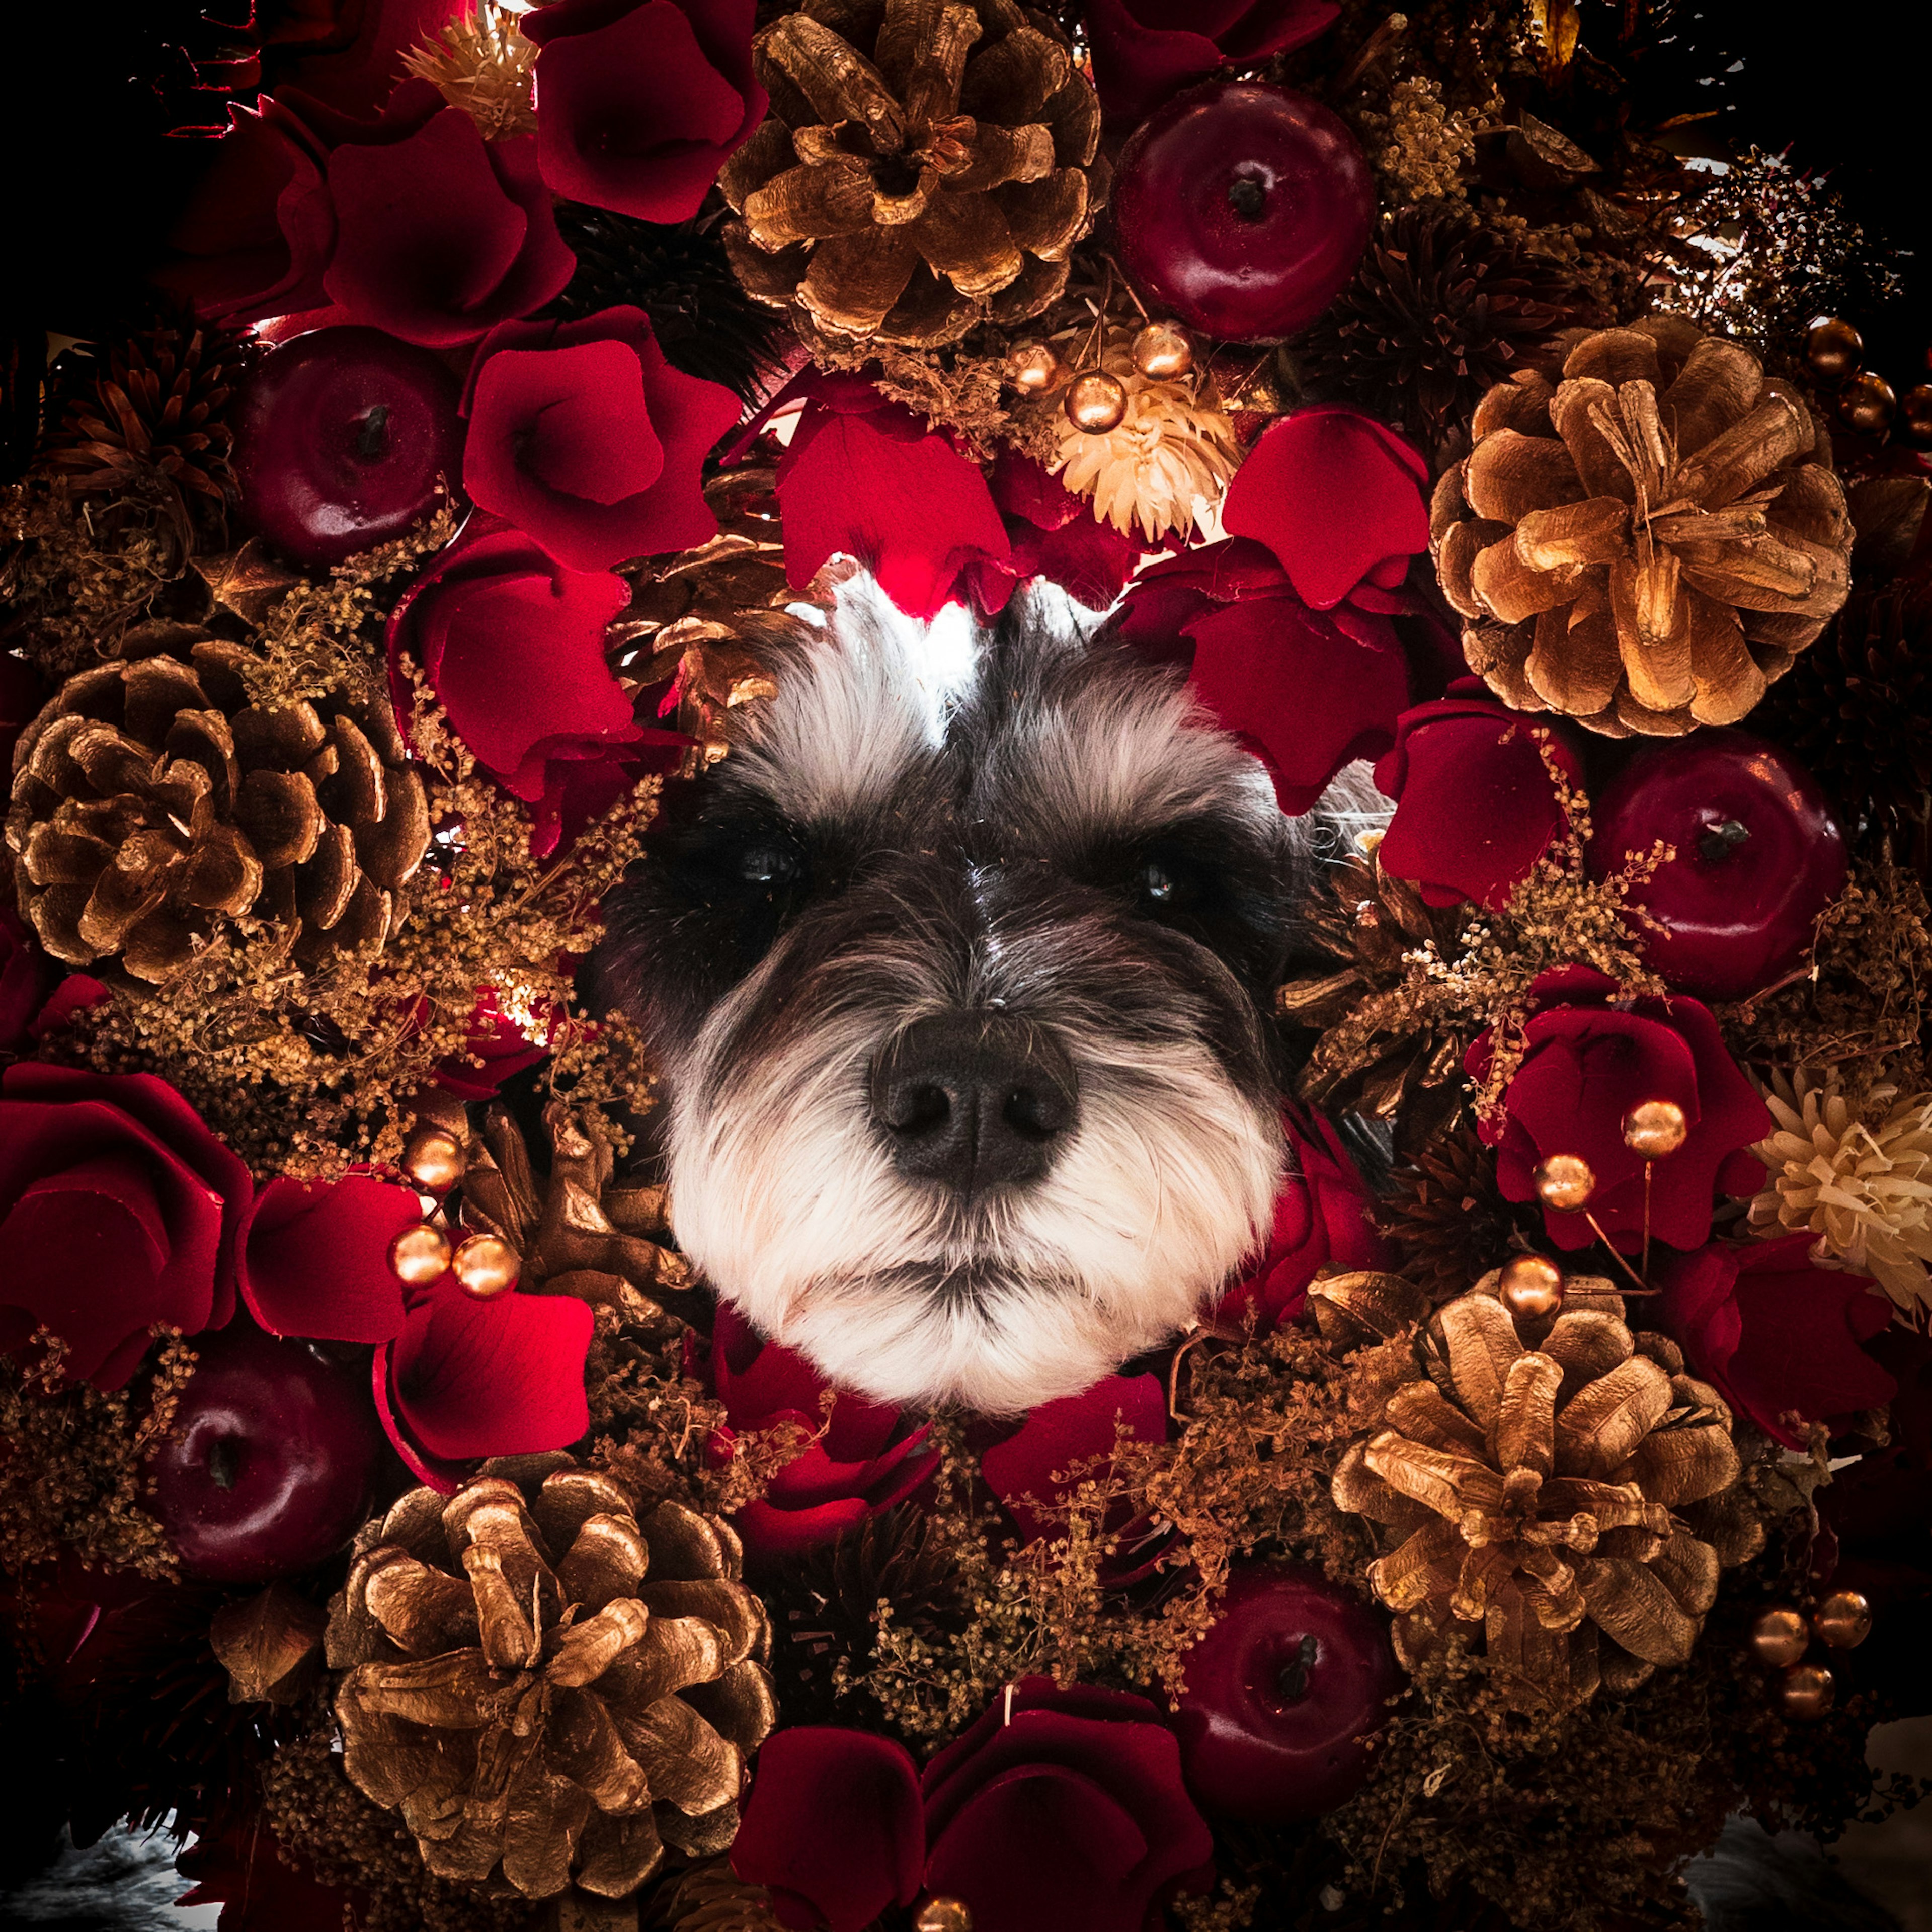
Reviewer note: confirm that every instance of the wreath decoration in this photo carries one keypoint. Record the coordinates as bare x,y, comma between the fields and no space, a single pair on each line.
387,1507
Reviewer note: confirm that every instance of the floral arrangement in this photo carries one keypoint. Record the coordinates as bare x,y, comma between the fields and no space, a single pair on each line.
389,1509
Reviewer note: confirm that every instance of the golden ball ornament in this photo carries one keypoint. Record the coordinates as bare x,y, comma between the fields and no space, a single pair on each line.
1564,1182
1843,1620
1806,1690
434,1159
1833,348
944,1915
1655,1128
1915,412
1866,403
1780,1637
486,1266
1161,351
1531,1285
419,1255
1096,402
1032,367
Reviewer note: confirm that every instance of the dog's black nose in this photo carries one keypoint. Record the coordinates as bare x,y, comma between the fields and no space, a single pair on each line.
976,1100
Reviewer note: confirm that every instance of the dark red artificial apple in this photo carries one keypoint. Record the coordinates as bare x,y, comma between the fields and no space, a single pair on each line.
1242,209
1759,858
1290,1678
340,439
268,1468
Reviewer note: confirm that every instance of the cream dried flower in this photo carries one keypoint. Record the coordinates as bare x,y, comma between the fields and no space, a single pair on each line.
1858,1176
1170,455
482,63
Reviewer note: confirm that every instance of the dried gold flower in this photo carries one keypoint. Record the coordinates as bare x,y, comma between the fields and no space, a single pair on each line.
1170,455
481,63
1858,1176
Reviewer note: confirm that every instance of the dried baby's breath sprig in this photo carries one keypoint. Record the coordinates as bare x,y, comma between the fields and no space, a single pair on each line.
481,63
75,1479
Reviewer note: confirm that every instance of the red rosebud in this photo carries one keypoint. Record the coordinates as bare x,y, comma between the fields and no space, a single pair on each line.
1144,50
1777,1337
867,478
870,1457
313,1258
640,103
118,1209
465,1378
1588,1064
512,644
1337,497
1475,806
1321,1219
832,1828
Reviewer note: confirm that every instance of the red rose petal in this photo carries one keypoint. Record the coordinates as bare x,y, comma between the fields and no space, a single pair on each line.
1036,1458
314,1258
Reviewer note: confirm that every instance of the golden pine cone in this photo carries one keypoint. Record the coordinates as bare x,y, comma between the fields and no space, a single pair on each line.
1531,1477
710,1898
549,1690
151,799
1386,1064
574,1231
1646,546
927,164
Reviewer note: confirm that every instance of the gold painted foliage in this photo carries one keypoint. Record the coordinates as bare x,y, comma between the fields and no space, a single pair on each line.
1556,1480
1646,544
548,1689
927,164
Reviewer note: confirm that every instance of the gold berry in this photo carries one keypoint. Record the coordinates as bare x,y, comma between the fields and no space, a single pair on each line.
944,1915
1564,1182
1780,1637
434,1158
1843,1620
1805,1690
419,1255
1655,1128
1032,368
1096,402
1161,351
486,1266
1867,404
1915,412
1833,348
1532,1285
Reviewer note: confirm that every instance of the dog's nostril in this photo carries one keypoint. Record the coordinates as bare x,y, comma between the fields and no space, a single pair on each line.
1037,1115
916,1107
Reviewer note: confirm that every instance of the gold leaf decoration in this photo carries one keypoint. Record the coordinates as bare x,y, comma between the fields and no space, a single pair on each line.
270,1645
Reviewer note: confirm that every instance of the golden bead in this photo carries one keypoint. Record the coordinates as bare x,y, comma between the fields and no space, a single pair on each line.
1779,1637
1867,404
434,1158
1805,1690
1843,1620
486,1266
1032,367
944,1915
1915,412
1161,351
420,1255
1834,348
1655,1128
1095,402
1564,1182
1531,1285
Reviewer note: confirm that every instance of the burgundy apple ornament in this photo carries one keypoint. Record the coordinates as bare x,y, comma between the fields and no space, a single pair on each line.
341,437
1759,856
268,1468
1242,209
1289,1680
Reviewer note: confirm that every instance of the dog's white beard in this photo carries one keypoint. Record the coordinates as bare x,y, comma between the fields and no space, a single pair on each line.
788,1200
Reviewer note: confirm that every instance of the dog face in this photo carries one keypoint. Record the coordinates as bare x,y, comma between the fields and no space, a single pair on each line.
958,966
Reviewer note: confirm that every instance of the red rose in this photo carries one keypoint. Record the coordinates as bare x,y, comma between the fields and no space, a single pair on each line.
1337,497
1588,1064
1144,50
314,1258
1053,534
412,222
118,1209
1060,1810
1475,806
512,644
27,976
1777,1337
353,61
1321,1219
496,1050
583,435
868,479
870,1456
466,1378
640,105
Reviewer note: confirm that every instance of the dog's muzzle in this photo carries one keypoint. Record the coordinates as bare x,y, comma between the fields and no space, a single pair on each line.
974,1101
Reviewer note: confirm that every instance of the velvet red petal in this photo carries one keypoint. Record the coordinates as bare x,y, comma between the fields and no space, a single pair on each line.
1037,1460
313,1258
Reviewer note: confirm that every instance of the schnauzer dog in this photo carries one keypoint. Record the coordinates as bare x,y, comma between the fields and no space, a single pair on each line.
959,968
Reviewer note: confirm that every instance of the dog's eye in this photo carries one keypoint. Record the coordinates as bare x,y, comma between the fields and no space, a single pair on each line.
770,865
1166,885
